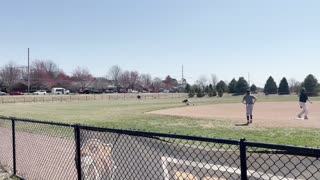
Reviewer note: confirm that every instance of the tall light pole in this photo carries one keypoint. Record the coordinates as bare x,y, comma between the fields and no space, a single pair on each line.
182,79
28,71
249,79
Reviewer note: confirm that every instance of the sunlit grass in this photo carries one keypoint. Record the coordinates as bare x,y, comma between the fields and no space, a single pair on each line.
130,114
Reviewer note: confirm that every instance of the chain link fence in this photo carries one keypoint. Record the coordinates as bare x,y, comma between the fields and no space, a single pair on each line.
267,161
127,155
6,155
46,150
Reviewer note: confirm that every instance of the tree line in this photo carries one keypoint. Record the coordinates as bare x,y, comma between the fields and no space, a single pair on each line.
240,86
45,74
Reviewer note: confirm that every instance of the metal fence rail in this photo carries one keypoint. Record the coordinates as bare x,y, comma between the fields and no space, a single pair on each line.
46,150
87,97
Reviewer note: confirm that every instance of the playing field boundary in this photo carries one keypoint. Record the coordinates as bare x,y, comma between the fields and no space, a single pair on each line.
87,97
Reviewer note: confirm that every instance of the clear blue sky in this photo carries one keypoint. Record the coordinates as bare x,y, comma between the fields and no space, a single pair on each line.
228,38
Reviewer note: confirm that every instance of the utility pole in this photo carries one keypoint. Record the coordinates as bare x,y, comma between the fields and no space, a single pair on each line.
182,80
28,72
249,79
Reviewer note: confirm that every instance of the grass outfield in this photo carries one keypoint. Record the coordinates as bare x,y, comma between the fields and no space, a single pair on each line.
130,114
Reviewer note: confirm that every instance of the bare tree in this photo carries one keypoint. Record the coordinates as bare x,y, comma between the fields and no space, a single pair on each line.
214,80
44,74
38,75
114,74
294,85
83,76
170,82
202,81
63,80
134,79
100,83
10,74
124,79
146,80
129,79
52,68
157,83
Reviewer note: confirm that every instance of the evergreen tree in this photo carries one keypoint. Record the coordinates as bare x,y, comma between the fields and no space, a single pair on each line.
191,92
222,85
206,89
270,87
187,88
311,84
232,86
283,87
253,88
211,91
200,92
220,91
242,86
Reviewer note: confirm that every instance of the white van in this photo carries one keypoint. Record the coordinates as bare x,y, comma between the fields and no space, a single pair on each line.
59,90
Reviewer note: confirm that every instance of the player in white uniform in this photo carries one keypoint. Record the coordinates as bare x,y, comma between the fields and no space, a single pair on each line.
249,101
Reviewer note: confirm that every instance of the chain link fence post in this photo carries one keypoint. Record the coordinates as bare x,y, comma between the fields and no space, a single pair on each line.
14,146
243,159
78,153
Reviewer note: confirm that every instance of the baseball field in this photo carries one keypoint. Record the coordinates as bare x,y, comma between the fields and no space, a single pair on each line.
274,117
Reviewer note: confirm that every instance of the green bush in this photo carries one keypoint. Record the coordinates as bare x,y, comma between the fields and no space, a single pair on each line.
200,94
212,93
191,94
220,91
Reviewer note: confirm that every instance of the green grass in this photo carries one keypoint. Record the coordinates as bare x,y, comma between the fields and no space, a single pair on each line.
130,114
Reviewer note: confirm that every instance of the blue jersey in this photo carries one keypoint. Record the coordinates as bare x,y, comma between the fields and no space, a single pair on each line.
303,97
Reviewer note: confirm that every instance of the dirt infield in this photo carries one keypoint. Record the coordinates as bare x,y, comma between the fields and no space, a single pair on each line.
266,114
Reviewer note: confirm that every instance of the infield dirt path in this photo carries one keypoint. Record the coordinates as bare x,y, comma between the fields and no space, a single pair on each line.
266,114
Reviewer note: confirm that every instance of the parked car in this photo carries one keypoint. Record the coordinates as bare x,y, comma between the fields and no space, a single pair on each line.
166,91
40,92
123,91
16,93
96,91
2,93
110,91
85,91
88,91
59,90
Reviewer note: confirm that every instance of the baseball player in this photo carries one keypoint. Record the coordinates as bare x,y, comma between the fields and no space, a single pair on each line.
187,101
303,98
249,101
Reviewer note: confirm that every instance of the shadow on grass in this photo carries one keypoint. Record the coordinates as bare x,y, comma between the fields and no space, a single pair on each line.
242,124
